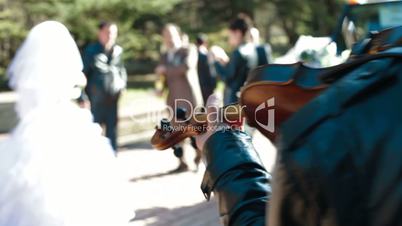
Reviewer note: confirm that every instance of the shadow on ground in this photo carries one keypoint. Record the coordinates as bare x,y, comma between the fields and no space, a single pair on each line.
152,176
204,213
145,144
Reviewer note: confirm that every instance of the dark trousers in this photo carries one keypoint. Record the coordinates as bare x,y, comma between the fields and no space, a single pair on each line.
206,92
104,111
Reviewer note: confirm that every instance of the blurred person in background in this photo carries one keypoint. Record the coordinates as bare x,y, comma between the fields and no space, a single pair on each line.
56,169
107,78
205,75
234,70
178,66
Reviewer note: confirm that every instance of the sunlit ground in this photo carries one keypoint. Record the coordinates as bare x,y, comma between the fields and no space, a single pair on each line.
162,198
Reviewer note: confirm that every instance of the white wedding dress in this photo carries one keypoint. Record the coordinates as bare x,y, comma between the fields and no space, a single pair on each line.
56,169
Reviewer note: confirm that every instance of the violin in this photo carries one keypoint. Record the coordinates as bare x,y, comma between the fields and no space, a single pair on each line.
271,95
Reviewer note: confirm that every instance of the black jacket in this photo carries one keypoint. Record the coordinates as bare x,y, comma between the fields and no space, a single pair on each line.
339,159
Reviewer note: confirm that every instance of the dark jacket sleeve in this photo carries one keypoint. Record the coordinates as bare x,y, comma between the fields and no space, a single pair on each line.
237,177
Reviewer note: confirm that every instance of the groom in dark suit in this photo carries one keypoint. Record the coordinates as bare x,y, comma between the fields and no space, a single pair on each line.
107,77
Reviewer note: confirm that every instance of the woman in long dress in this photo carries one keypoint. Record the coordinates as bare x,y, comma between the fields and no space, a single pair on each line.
178,66
56,169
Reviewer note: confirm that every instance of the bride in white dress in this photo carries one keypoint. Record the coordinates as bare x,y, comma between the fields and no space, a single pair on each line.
56,169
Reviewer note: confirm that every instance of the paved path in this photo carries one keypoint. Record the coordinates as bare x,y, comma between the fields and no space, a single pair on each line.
163,199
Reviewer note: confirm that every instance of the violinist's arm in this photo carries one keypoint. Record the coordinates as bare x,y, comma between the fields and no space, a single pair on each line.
237,177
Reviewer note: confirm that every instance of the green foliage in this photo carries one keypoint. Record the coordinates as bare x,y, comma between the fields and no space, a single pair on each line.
140,21
313,17
279,21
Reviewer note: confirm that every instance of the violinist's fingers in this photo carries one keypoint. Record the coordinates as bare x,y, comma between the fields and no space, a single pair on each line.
213,100
213,105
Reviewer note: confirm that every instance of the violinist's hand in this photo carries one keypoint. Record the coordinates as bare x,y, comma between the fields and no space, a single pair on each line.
213,105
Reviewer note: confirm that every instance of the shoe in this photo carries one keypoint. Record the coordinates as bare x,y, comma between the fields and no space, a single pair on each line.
197,161
183,167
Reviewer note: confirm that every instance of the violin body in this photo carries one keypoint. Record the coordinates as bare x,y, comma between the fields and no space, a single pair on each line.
288,87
